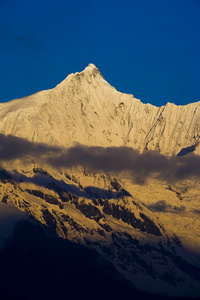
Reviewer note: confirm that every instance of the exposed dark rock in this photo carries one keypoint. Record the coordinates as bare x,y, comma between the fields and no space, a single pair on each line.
128,217
49,219
72,223
115,184
68,176
106,227
108,208
64,195
36,193
52,200
55,187
48,198
26,203
95,201
65,217
100,201
150,225
100,232
5,199
131,240
63,228
90,211
21,204
5,177
40,171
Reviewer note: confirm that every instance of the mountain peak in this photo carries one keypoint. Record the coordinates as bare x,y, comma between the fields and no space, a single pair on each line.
91,71
91,67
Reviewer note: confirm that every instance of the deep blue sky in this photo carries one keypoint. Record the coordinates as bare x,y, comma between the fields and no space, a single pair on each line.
148,48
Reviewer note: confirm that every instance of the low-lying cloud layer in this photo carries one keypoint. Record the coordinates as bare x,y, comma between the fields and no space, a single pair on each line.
116,160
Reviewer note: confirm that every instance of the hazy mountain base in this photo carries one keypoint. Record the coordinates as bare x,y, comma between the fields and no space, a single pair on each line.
37,265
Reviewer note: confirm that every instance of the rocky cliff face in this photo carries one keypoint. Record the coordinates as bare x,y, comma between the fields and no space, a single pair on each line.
148,233
106,218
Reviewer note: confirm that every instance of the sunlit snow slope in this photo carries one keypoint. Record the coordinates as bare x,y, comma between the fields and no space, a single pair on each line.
84,108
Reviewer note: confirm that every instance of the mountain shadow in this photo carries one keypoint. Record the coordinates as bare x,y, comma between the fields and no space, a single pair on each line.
187,150
59,186
37,265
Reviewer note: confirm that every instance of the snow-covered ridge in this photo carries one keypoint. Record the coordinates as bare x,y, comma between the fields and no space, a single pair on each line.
84,108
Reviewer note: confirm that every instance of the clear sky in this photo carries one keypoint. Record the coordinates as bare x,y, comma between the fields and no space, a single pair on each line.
148,48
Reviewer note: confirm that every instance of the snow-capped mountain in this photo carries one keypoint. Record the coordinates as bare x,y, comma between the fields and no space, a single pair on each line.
85,109
149,233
